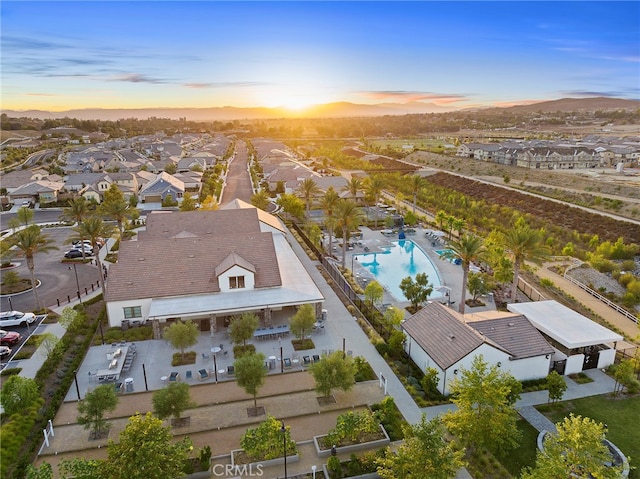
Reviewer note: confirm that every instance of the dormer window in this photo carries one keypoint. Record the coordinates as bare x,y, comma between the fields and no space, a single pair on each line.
236,282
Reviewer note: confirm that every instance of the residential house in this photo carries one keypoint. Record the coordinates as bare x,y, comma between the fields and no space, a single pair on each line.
42,191
207,267
159,188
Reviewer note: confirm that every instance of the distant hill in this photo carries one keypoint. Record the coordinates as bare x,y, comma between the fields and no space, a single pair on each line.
327,110
579,104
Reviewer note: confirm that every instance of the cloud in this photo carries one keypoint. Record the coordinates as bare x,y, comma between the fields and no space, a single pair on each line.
409,96
632,93
136,78
41,94
222,85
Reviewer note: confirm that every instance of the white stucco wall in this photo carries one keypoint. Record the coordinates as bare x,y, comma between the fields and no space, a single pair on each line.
606,358
115,311
574,364
223,279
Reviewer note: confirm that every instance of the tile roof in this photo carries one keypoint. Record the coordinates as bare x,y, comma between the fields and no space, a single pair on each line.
515,334
186,266
443,335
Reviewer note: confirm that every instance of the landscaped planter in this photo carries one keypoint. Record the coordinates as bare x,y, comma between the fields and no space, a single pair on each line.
371,475
267,463
377,444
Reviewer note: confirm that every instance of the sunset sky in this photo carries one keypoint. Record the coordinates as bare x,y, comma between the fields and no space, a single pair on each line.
142,54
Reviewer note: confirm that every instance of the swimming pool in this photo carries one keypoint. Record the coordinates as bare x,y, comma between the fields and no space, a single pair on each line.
404,258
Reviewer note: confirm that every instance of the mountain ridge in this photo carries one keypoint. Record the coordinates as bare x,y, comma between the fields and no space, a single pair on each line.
326,110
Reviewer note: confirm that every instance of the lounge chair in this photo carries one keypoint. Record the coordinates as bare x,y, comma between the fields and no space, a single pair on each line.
189,375
231,370
306,360
316,358
287,363
174,376
203,374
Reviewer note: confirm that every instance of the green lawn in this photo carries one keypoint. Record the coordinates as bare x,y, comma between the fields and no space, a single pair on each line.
525,454
622,417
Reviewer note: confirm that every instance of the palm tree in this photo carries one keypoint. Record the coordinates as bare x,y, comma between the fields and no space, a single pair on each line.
116,207
261,200
524,244
348,218
416,183
307,189
441,217
469,248
353,186
30,241
77,210
458,225
328,203
93,228
374,186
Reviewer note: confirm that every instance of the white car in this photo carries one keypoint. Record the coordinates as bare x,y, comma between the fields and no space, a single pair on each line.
16,318
87,248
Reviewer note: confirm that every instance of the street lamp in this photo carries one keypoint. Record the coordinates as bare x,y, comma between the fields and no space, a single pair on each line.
313,471
77,282
353,256
284,445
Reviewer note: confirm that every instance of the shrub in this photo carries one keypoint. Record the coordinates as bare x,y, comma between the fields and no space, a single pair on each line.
352,427
334,467
265,441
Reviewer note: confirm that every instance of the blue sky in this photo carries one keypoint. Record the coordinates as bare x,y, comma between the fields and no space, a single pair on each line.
62,55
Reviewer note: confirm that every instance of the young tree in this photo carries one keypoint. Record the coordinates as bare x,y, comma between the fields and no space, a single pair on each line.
48,342
417,291
303,321
374,292
182,335
77,210
625,376
92,408
146,449
476,285
393,316
469,248
172,400
261,200
424,453
30,241
333,371
556,386
242,328
576,450
18,394
485,416
188,203
24,215
291,204
250,374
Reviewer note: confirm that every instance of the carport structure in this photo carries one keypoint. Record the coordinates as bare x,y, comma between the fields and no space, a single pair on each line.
580,343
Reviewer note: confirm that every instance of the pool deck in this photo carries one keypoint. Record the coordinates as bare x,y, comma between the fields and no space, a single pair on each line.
450,274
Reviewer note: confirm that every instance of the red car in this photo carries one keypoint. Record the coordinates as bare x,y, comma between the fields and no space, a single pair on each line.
9,337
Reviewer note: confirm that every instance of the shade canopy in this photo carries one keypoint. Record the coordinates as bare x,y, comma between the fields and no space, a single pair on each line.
569,328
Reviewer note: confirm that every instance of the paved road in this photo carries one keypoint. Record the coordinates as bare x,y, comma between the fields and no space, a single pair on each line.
238,178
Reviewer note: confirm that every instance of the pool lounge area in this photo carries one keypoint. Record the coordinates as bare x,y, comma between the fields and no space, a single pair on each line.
403,258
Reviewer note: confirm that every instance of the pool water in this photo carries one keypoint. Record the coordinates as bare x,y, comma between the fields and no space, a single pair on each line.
404,258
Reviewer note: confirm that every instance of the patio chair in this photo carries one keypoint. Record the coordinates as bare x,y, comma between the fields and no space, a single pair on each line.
316,358
306,360
174,376
231,370
203,374
287,363
206,356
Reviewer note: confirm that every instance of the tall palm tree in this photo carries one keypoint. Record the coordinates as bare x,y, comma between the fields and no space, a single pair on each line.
353,186
77,210
93,228
116,207
261,200
307,189
441,217
374,186
348,218
416,183
469,248
328,204
30,241
524,244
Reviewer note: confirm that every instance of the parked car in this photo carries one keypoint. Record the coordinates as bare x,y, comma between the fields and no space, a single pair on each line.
87,248
9,338
77,253
26,204
87,243
5,351
16,318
